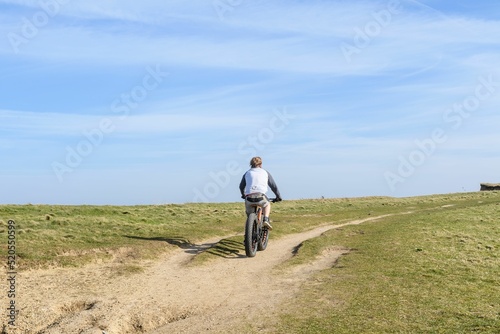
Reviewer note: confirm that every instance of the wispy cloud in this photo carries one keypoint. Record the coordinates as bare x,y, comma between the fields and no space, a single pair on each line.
262,38
36,124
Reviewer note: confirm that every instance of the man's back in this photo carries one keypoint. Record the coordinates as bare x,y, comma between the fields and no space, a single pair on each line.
256,181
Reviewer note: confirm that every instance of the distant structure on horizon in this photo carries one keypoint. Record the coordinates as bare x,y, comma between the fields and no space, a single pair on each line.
490,186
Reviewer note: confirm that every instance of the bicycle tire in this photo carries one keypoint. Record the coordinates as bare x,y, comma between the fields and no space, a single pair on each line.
262,245
251,237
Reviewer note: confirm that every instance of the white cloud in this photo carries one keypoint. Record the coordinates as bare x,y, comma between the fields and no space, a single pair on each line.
264,36
33,124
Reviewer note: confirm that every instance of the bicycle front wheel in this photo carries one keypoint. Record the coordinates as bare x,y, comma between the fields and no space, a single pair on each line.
264,238
251,235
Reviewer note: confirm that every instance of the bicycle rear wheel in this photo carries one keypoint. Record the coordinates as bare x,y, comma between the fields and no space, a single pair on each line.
251,235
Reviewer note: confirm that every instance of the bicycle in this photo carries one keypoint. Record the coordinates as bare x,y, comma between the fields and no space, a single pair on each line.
256,235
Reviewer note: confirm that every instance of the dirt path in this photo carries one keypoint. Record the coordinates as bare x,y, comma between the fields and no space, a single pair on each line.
168,297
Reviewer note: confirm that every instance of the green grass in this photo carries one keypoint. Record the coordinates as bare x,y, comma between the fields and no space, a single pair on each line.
76,235
50,236
435,270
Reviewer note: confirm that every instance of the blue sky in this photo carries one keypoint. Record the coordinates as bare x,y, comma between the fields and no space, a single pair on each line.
128,102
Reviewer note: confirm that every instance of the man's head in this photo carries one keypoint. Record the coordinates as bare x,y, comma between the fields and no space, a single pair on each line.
256,162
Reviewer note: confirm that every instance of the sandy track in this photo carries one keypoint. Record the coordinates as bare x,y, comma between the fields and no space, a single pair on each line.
169,296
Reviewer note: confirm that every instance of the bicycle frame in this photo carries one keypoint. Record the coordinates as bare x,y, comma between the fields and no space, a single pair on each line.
258,212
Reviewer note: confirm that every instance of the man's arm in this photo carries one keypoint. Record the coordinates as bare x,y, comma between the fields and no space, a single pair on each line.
273,186
243,184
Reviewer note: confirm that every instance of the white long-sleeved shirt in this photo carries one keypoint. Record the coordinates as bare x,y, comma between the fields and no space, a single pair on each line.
258,180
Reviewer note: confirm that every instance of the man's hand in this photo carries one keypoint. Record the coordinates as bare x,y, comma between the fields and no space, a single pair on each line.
243,196
278,199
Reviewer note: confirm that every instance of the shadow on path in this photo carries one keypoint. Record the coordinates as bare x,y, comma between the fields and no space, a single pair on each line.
223,248
229,249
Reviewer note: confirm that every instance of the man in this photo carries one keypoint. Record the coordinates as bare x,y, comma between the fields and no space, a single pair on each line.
254,186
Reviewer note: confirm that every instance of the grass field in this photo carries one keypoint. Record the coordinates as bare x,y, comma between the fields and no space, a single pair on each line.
51,236
434,269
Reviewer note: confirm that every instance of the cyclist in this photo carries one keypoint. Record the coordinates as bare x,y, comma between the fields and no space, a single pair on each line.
254,186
